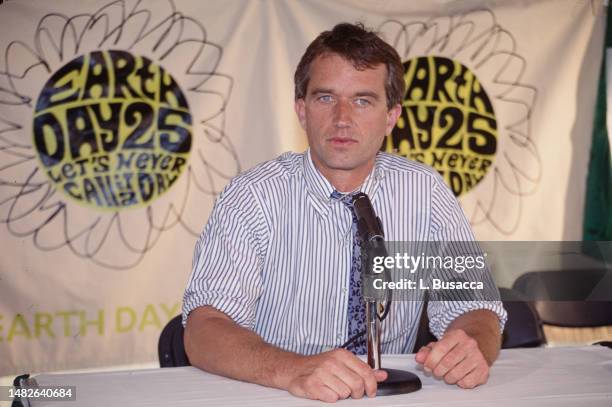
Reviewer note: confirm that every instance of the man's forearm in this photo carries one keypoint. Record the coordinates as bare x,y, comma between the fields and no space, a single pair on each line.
483,326
215,343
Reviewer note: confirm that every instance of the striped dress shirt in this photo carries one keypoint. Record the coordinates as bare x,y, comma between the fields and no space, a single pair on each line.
275,255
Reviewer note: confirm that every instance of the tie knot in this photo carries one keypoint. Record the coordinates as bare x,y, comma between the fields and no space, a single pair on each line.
346,199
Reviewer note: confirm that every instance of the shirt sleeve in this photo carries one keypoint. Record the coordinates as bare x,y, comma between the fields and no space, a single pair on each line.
227,261
449,225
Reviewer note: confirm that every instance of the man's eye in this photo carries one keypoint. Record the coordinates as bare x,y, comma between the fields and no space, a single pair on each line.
326,98
362,102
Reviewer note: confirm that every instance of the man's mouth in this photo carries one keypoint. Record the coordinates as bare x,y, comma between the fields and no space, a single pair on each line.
342,141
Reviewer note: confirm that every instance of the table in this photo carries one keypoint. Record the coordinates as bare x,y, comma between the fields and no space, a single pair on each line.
572,376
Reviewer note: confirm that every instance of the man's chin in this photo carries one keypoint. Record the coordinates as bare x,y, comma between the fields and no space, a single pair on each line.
340,161
341,165
344,165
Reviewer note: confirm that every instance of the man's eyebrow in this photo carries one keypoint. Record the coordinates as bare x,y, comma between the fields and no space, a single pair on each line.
367,93
317,91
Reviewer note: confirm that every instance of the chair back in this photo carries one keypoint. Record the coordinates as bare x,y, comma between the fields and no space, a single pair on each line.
523,328
171,348
569,298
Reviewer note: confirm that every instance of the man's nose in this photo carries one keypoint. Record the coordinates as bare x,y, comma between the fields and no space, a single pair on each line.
342,114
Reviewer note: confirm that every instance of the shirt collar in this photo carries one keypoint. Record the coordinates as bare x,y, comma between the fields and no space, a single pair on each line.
317,184
321,189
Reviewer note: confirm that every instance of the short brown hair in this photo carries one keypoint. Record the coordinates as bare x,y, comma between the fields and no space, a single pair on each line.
363,48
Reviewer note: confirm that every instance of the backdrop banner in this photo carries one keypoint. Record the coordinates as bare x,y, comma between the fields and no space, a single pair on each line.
122,120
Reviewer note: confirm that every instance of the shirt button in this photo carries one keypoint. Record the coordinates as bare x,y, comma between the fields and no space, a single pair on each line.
345,290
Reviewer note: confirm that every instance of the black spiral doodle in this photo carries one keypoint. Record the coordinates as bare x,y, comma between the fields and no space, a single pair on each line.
482,43
29,204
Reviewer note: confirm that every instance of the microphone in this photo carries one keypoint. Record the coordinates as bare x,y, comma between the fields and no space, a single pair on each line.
370,228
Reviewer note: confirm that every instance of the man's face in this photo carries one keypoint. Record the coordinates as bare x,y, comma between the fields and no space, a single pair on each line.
345,116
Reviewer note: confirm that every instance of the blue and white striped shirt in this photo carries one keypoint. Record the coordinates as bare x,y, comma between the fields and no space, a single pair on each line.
275,255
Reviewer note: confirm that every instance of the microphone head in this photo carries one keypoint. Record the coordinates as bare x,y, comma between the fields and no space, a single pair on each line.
368,223
361,202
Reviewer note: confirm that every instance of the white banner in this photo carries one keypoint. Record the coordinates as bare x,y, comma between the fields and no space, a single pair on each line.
120,121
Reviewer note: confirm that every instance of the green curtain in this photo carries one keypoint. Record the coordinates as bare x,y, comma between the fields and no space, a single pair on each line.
598,203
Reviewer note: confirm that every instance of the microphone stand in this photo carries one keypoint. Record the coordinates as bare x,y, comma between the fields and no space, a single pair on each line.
370,228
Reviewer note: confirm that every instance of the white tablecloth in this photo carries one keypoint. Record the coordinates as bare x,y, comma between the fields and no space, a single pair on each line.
556,377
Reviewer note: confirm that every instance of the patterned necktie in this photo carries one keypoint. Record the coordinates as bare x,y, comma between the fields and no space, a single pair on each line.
356,306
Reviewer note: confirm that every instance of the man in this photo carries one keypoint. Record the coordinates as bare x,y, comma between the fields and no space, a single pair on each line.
271,298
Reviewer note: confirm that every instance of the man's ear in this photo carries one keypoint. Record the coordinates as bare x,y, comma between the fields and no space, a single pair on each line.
392,115
300,110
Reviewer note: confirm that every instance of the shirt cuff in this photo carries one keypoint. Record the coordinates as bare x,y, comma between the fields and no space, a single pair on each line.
234,308
448,311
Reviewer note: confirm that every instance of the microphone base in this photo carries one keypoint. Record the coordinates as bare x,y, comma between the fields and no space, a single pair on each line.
398,382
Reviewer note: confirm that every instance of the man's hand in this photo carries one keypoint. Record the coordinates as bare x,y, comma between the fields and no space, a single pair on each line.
334,375
456,358
465,352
